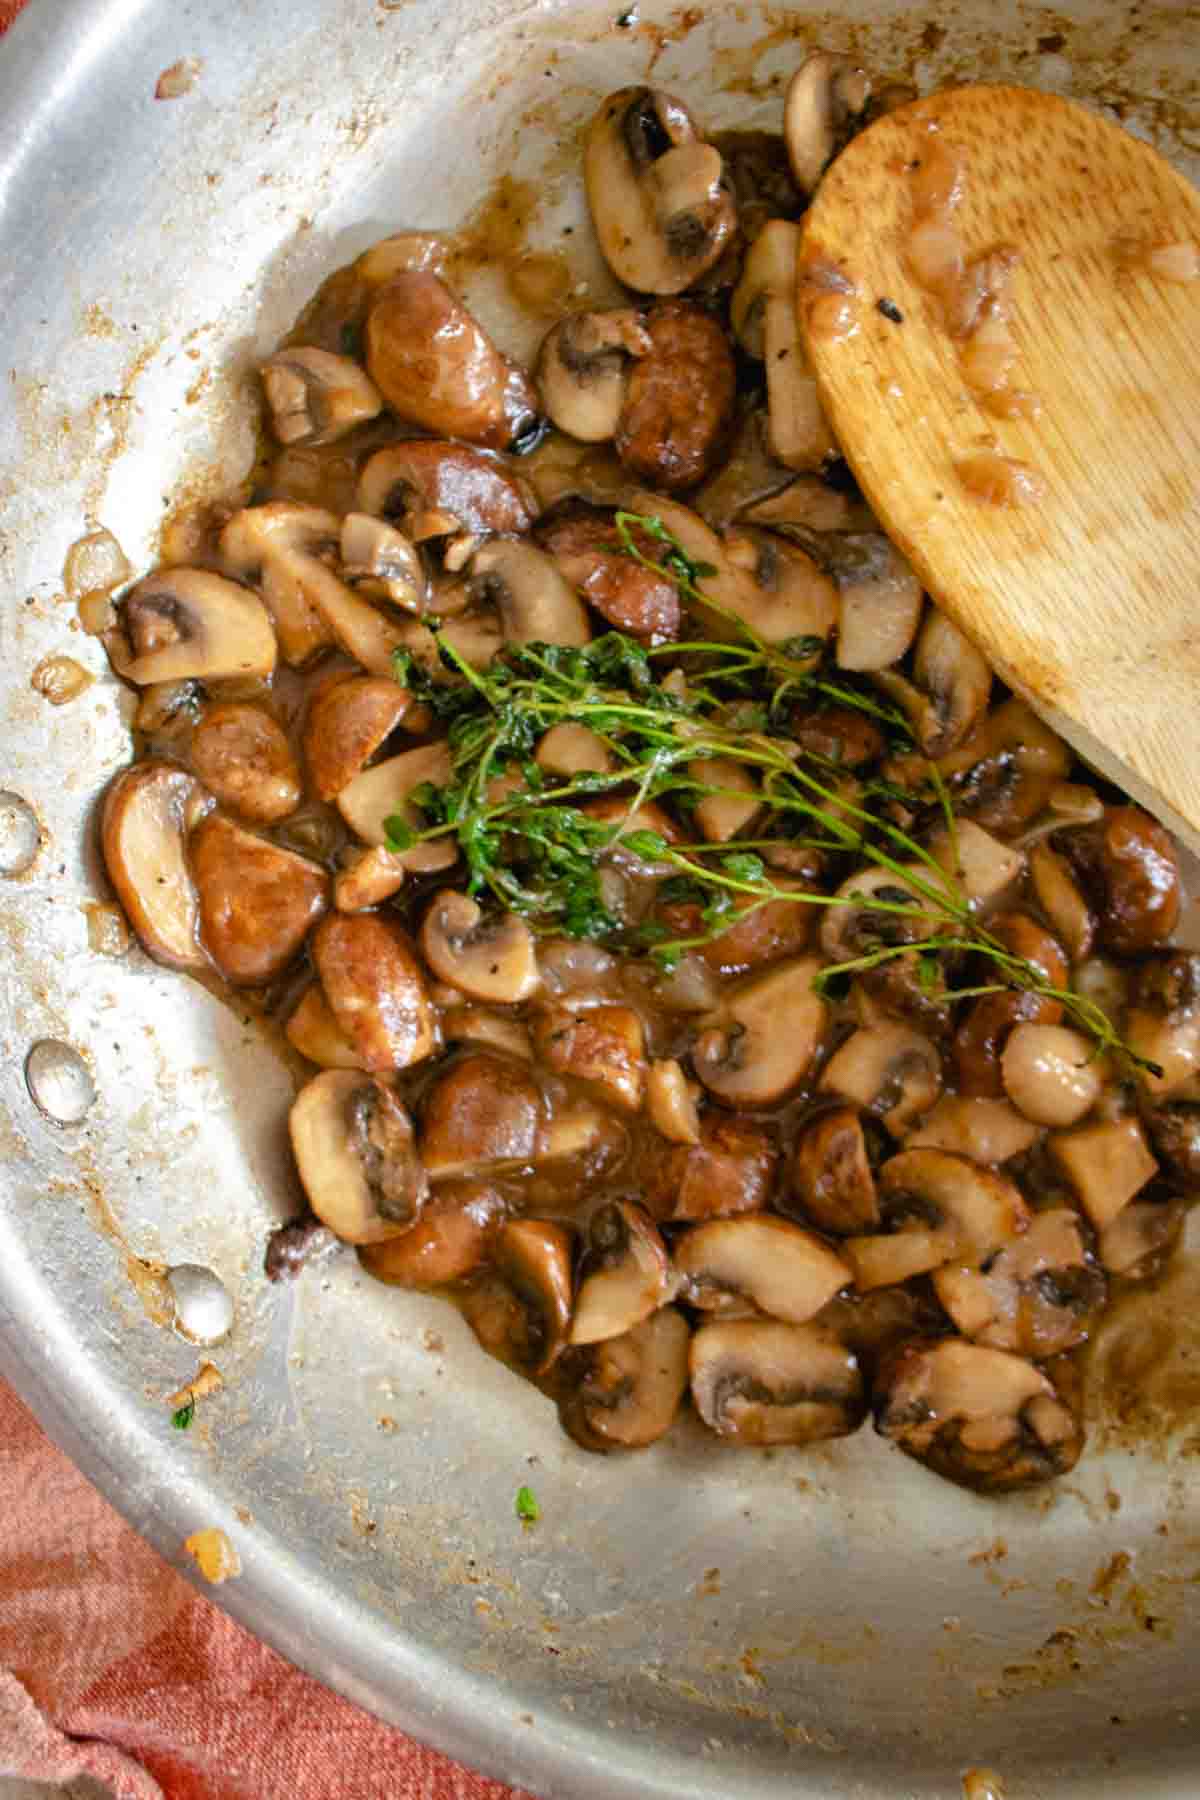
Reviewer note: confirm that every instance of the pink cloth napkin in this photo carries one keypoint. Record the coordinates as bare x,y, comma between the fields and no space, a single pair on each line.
112,1666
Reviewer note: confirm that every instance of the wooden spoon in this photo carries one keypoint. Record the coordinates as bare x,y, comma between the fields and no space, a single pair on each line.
1087,599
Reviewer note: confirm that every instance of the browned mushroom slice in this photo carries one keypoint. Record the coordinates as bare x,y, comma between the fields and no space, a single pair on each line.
889,1070
1106,1164
778,1267
1051,1074
583,370
490,1030
730,809
624,1275
987,1131
353,1144
1037,1297
659,201
624,1393
1141,1238
367,878
839,734
243,757
437,368
385,791
826,103
880,601
603,1044
764,316
315,1033
1129,866
678,398
756,1381
936,1207
729,1171
149,812
257,901
1163,1022
533,1259
535,601
190,625
671,1102
635,599
451,1239
832,1177
742,1056
490,958
948,694
1174,1129
571,749
315,397
379,561
434,489
1061,899
983,1418
376,989
483,1112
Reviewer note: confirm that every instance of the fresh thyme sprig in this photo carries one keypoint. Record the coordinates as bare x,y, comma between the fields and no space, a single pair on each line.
537,844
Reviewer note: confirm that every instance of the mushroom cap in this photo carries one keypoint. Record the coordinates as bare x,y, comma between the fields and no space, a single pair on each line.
412,481
604,1045
889,1070
482,1112
742,1056
624,1393
490,958
316,397
376,989
243,757
679,399
189,624
257,900
533,1256
1051,1073
537,605
624,1276
779,1267
346,723
149,811
757,1381
1130,866
729,1171
662,210
831,1174
450,1240
583,369
352,1140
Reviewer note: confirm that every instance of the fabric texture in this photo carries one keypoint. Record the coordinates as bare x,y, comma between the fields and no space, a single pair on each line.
111,1666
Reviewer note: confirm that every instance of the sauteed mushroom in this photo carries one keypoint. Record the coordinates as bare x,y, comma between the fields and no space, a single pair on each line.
431,489
625,1274
741,1054
535,602
490,958
243,757
889,1070
624,1393
450,1240
187,625
482,1113
376,989
826,100
625,593
380,562
774,1265
1130,865
583,371
257,901
756,1381
1038,1297
938,1207
728,1171
354,1149
678,399
149,812
315,1033
763,316
832,1177
315,397
347,722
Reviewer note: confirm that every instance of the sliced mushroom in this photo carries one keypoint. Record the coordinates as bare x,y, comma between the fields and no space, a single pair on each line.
1106,1164
983,1418
764,318
986,1026
432,489
380,562
493,1031
831,1174
950,687
1004,773
1141,1237
1130,867
980,865
625,1274
243,757
376,989
490,958
537,605
450,1240
761,934
437,368
570,749
671,1102
879,602
286,544
728,1171
985,1130
730,811
1060,898
789,587
483,1112
190,625
826,103
257,901
149,813
353,1144
1038,1297
1052,1074
315,397
742,1055
777,1266
624,1393
838,734
534,1257
889,1070
476,636
936,1207
347,722
315,1033
756,1381
367,878
679,398
1163,1022
628,595
659,201
581,1132
604,1045
583,371
385,791
1174,1128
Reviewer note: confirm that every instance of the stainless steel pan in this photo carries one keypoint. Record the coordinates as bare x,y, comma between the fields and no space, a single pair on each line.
831,1624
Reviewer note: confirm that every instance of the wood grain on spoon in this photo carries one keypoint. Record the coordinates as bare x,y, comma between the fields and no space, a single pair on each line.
1086,596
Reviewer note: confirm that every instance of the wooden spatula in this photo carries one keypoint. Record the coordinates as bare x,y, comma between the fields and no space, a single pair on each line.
1087,600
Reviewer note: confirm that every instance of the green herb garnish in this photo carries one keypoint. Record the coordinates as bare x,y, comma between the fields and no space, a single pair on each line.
526,1506
183,1417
